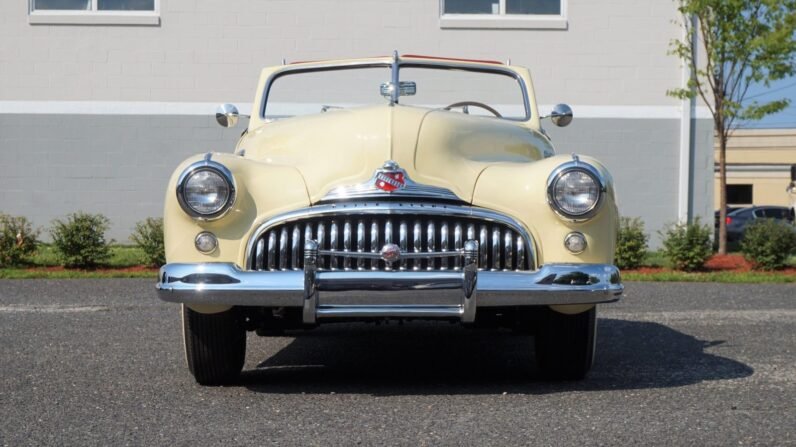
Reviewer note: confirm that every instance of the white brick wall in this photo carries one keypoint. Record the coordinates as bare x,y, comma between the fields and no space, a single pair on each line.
614,52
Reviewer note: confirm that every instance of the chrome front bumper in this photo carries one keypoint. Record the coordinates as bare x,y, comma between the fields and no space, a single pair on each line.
227,284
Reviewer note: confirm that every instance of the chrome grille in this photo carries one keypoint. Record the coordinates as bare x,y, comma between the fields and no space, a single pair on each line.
279,247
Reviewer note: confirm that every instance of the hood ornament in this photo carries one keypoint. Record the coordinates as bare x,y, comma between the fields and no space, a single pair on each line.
390,180
390,177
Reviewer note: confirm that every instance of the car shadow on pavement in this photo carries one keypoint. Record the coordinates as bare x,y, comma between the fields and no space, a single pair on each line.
427,358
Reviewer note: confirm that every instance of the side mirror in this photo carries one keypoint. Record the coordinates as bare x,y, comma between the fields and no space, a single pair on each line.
561,115
227,115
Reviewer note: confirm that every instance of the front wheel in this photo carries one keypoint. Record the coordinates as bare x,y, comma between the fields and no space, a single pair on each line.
565,343
215,345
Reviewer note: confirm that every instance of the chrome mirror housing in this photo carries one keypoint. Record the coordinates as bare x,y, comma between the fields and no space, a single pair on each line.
227,115
561,115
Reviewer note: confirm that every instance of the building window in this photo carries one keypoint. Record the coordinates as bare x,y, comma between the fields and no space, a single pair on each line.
507,14
739,195
95,12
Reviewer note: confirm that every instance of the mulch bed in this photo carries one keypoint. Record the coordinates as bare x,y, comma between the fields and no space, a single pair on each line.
735,263
718,263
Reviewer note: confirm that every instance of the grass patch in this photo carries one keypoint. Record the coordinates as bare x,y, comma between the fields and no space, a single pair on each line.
125,262
21,273
721,277
655,259
122,256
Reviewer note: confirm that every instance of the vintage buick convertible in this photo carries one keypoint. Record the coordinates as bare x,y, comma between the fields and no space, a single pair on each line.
390,188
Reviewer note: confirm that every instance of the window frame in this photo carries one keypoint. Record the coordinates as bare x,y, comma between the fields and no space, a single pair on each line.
498,69
734,190
92,16
502,20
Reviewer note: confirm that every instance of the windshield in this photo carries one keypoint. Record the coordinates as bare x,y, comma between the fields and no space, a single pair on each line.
304,92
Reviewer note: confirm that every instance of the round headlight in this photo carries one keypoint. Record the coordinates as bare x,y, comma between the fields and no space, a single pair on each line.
575,192
206,190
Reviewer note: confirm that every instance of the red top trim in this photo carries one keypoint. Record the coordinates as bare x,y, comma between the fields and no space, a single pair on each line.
484,61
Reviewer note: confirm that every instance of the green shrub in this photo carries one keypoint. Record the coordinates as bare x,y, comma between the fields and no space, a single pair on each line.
687,246
631,244
148,235
80,240
768,244
17,240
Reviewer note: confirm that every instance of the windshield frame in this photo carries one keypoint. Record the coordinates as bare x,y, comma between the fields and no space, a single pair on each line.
395,68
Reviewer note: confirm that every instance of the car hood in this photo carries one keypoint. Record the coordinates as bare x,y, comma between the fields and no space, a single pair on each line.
436,147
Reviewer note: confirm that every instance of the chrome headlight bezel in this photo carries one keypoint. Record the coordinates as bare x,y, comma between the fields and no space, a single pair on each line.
217,168
559,172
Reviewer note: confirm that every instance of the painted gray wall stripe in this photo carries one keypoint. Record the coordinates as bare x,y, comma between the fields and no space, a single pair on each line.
111,108
206,108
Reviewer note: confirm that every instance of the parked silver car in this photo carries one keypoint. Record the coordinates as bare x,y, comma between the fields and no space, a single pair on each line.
739,219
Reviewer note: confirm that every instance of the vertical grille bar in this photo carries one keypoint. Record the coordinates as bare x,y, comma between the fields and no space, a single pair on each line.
388,239
496,248
457,244
431,244
321,243
360,244
417,242
347,243
283,248
508,250
374,243
520,253
388,231
259,255
333,230
403,242
443,245
295,245
483,246
271,250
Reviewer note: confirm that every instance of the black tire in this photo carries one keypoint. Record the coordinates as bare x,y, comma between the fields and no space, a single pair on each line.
565,344
215,345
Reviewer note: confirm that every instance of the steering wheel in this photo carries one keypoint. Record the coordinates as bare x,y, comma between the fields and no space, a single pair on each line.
476,104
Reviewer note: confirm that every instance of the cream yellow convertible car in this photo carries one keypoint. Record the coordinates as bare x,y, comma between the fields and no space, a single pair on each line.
390,188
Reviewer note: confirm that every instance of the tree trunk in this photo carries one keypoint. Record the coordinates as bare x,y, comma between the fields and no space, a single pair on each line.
722,190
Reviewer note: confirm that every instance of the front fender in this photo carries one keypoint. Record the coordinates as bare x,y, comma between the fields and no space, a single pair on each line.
262,190
520,190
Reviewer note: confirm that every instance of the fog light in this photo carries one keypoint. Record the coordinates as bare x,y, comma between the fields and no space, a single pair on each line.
206,242
575,242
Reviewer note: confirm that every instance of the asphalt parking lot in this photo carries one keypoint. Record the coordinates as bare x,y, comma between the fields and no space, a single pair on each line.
99,362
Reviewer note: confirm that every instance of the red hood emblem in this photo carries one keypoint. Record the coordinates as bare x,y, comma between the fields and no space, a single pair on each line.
390,181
